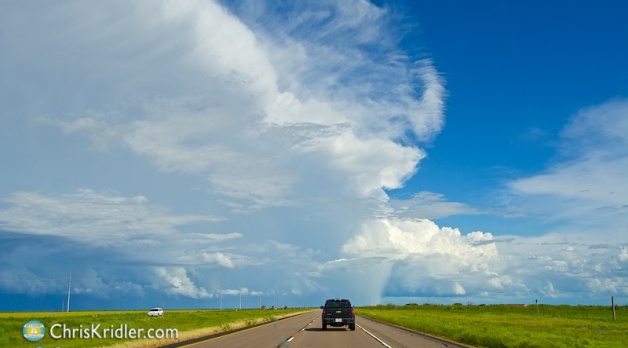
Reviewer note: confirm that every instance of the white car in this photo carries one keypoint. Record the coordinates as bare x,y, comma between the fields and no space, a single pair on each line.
156,312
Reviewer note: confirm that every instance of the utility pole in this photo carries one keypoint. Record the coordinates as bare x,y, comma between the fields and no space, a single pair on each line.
69,288
221,295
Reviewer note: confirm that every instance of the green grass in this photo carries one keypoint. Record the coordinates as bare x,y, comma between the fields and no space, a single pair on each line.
188,323
511,326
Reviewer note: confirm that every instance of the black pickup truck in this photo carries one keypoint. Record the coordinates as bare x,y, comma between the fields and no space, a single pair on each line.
338,312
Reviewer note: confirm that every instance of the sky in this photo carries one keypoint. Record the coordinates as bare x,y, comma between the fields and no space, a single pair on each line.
208,154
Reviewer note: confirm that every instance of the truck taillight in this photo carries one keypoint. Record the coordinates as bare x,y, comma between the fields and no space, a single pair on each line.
324,311
352,311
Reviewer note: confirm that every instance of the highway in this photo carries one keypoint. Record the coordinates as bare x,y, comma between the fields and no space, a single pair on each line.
305,330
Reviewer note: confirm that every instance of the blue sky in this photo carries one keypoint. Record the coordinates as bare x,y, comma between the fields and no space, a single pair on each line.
164,153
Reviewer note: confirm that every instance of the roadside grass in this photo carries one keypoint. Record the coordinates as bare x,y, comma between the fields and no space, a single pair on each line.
189,324
504,326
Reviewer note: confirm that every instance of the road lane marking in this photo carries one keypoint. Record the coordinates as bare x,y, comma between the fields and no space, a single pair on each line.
308,324
290,339
375,337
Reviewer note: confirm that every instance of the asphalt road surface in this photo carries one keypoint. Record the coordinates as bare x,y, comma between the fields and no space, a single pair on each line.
305,330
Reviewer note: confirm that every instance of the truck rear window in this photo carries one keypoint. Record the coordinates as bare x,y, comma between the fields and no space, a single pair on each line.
340,303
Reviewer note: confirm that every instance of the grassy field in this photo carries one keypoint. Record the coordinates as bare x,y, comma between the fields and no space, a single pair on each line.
188,323
512,326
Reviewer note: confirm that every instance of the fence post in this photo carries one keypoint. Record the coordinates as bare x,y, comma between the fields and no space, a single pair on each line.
613,306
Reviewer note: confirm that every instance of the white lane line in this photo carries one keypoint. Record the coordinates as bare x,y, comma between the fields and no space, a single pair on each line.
375,337
290,339
308,324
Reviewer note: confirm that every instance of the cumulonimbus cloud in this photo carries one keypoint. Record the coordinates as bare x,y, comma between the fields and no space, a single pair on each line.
216,127
267,112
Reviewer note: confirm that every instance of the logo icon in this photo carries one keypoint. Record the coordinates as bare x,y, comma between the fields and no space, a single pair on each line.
33,331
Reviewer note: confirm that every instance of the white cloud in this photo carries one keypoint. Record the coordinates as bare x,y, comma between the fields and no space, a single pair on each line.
623,255
236,292
126,228
562,266
177,283
78,125
373,164
588,186
424,260
301,129
219,258
581,195
214,120
615,285
92,217
425,257
406,237
549,291
429,205
219,237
